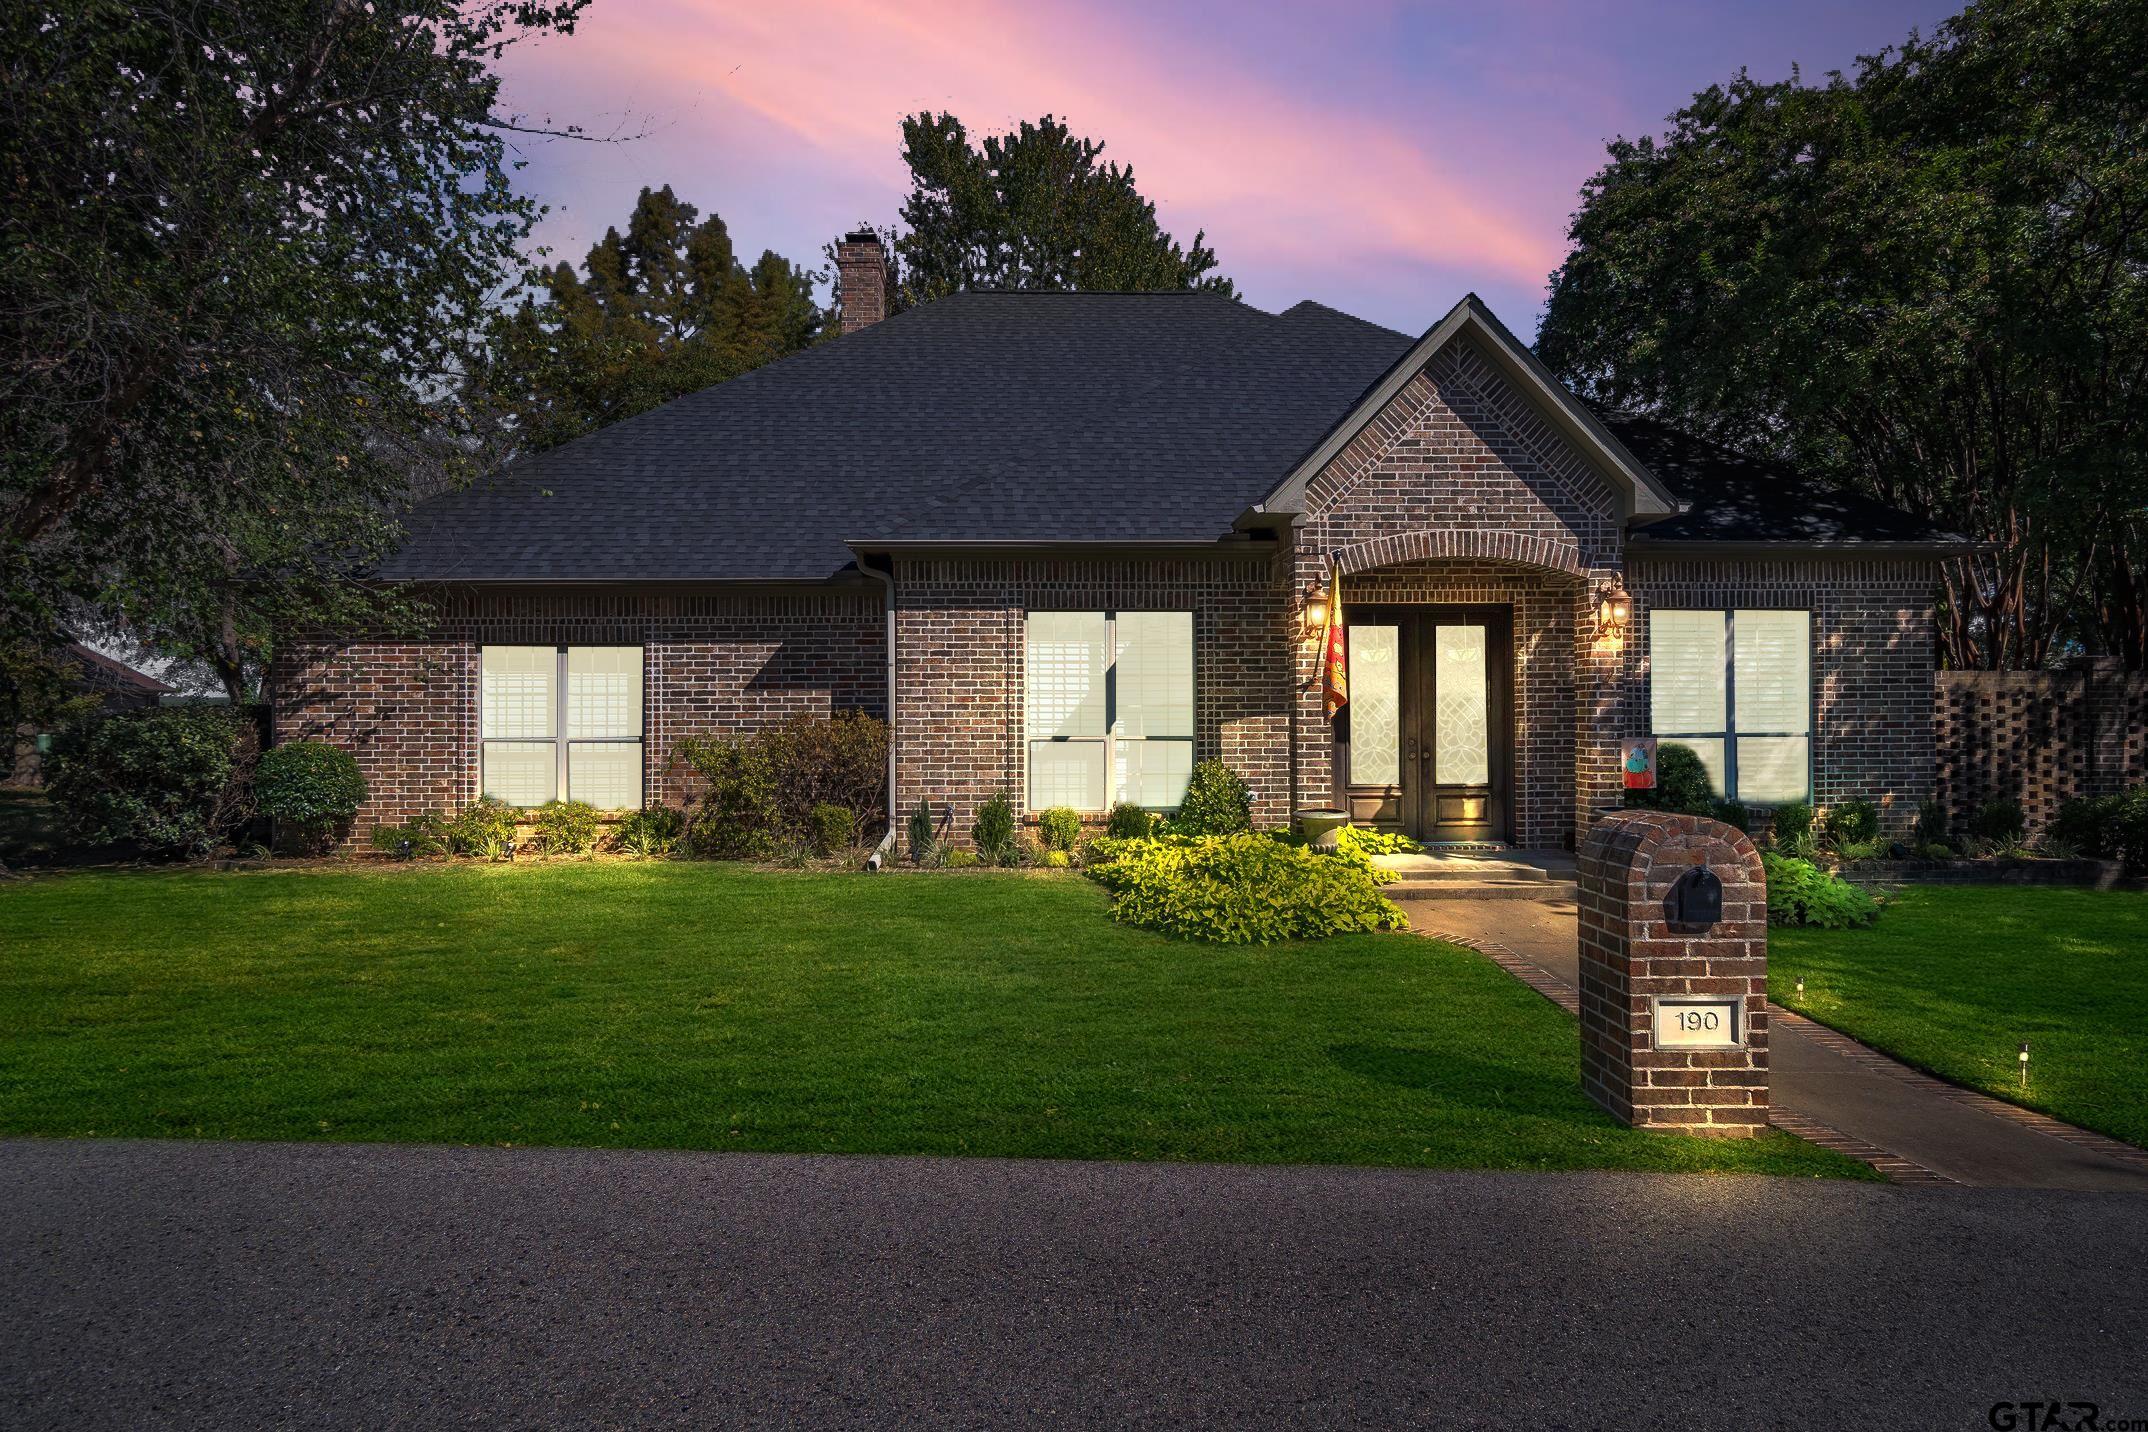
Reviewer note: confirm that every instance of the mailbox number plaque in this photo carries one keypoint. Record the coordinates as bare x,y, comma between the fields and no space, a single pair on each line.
1686,1023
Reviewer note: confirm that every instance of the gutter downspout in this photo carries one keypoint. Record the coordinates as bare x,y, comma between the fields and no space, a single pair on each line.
884,852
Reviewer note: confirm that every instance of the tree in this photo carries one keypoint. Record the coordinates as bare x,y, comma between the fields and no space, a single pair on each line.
1927,280
1034,209
662,310
248,247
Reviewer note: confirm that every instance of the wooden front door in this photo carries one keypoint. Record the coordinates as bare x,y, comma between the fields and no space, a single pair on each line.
1430,730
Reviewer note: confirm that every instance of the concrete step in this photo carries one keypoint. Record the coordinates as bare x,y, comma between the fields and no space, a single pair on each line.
1541,888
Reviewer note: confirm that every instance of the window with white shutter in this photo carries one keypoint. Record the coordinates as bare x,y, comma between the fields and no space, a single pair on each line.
1736,687
561,722
1110,708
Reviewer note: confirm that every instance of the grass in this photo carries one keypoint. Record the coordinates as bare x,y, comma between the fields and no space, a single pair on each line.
1954,978
707,1006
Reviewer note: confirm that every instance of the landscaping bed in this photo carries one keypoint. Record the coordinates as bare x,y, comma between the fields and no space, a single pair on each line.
694,1005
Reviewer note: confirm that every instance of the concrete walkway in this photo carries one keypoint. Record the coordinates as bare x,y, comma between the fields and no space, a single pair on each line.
1828,1087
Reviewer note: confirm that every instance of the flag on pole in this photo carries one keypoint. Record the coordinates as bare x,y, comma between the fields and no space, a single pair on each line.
1337,659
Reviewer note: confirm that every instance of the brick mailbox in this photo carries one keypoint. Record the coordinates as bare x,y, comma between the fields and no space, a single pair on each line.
1674,974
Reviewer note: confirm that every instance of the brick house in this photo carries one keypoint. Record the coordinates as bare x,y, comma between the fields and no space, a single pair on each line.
1067,543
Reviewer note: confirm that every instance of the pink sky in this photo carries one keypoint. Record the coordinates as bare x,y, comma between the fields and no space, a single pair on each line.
1383,158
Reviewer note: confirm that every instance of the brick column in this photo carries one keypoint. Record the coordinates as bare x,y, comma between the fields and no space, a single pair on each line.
1674,1024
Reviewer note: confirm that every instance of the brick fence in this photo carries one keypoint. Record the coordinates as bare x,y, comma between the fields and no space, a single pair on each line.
2040,737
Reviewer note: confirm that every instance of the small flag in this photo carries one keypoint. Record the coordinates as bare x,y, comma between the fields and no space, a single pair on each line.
1338,659
1638,759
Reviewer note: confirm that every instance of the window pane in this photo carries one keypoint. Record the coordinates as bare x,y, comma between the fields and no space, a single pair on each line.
1066,773
1773,673
1154,773
1375,705
1064,676
603,693
519,772
1773,769
1461,730
1685,671
516,697
1154,679
607,774
1708,748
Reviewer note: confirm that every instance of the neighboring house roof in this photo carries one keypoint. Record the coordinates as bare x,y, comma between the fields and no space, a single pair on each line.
984,417
105,674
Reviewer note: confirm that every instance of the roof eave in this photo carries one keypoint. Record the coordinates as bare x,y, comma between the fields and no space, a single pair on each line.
1936,548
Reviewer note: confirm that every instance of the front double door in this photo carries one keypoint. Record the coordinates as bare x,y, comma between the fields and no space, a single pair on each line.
1427,748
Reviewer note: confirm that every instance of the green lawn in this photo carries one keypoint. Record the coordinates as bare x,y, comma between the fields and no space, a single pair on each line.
706,1006
1952,979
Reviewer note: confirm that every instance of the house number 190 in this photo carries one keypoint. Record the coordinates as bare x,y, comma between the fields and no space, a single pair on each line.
1697,1023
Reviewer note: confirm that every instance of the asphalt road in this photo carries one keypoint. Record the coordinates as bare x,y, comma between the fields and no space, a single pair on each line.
235,1285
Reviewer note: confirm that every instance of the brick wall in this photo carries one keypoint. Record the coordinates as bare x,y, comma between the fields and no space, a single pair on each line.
714,660
2039,737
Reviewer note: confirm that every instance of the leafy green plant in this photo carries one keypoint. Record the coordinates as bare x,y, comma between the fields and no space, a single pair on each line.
566,827
2001,822
1128,821
1854,822
1793,829
1376,842
1682,784
758,790
1737,815
1854,850
651,832
170,780
2113,827
1801,893
423,834
1055,860
834,828
960,859
1239,889
309,788
485,828
1218,802
1930,827
1059,828
923,838
993,834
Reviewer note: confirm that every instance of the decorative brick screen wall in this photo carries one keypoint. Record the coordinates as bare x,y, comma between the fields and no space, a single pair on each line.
2040,737
1632,957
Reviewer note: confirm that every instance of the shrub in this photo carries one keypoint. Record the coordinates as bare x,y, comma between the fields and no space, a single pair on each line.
1059,828
1876,848
834,828
422,834
959,859
171,780
1793,828
758,790
1239,889
1735,814
310,787
1055,860
1218,802
2000,822
1129,822
1852,823
2106,827
1682,785
1930,827
994,831
485,828
921,834
566,827
1375,842
1801,893
651,832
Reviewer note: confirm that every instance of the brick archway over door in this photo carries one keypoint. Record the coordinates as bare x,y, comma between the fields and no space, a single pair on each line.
1464,544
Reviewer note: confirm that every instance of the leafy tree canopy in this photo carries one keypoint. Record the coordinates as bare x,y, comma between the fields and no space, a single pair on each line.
1035,209
246,248
1927,279
662,310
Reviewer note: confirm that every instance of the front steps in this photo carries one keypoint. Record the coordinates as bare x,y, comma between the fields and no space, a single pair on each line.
1480,875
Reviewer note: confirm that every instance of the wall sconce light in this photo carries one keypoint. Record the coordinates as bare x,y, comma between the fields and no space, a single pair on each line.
1316,613
1614,609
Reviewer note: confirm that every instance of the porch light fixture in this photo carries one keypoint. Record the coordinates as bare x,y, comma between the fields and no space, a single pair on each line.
1614,609
1316,612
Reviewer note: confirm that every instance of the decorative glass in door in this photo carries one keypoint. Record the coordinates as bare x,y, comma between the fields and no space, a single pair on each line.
1461,722
1375,705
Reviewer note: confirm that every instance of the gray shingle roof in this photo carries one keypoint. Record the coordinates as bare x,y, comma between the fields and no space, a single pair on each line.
982,417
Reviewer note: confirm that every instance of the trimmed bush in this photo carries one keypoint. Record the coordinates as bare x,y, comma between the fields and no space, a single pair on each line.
1735,814
994,832
758,790
1059,828
1801,893
834,828
1682,785
423,834
485,828
1239,889
2106,827
169,780
1055,860
1218,802
923,838
310,788
565,827
2001,822
1930,827
1128,821
1853,823
1793,828
651,832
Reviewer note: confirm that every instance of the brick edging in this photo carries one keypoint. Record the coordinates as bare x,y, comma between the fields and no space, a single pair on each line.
1835,1041
1891,1166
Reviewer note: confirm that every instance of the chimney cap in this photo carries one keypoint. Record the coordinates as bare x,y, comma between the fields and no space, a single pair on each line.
861,235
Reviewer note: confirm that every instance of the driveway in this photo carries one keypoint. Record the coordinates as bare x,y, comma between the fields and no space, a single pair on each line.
200,1284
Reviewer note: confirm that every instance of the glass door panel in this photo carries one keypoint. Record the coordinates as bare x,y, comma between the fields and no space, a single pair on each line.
1375,705
1461,723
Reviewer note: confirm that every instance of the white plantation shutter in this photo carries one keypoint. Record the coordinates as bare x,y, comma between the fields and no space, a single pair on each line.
518,701
1109,708
1065,674
1685,671
559,721
1736,687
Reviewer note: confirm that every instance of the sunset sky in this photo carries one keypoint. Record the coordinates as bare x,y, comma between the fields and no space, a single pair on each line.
1382,158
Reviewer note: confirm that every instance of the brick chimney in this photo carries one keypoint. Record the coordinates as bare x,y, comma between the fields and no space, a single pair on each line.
861,283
